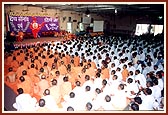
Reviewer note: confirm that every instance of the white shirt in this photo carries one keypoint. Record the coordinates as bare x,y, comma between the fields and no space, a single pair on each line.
157,92
88,83
50,102
132,77
142,56
73,102
116,61
106,90
86,97
128,55
118,73
149,68
132,68
107,106
114,85
148,102
160,83
119,99
141,79
78,90
98,83
98,101
131,87
24,102
144,72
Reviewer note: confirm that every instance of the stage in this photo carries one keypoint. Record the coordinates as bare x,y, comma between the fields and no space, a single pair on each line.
41,39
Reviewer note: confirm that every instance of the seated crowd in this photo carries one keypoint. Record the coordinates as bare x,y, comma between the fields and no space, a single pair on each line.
103,73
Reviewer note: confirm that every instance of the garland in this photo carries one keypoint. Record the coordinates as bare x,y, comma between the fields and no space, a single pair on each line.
28,14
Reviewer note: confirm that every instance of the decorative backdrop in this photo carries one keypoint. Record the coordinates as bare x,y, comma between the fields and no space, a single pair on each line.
17,23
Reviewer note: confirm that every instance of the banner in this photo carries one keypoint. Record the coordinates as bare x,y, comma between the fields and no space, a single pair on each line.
17,23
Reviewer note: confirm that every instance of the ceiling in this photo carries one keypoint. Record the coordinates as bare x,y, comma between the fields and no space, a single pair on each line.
108,9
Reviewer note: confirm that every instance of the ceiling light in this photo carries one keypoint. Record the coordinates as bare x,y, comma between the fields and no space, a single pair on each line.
88,15
115,11
160,17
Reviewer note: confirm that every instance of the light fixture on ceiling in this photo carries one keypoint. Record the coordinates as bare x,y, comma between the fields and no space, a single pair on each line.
43,9
160,17
115,11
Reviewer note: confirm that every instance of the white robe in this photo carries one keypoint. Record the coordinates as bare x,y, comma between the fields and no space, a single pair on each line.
24,102
50,102
148,102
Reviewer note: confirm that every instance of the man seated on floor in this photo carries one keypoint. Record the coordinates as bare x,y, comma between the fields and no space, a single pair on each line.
24,102
11,76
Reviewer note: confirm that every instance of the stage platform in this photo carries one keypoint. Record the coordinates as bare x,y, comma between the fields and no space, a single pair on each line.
41,39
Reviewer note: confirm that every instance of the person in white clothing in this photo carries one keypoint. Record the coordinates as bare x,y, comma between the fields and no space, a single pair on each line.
128,54
113,67
149,84
116,61
98,81
131,88
114,84
98,99
41,107
142,56
107,104
88,106
157,90
106,88
118,99
118,73
86,97
78,90
160,81
88,82
140,78
50,101
55,91
144,70
149,67
111,76
155,69
70,108
148,101
70,101
130,76
24,102
131,68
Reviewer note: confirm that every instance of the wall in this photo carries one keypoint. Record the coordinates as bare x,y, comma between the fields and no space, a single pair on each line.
111,23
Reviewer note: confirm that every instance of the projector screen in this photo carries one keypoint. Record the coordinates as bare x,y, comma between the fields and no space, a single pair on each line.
98,26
